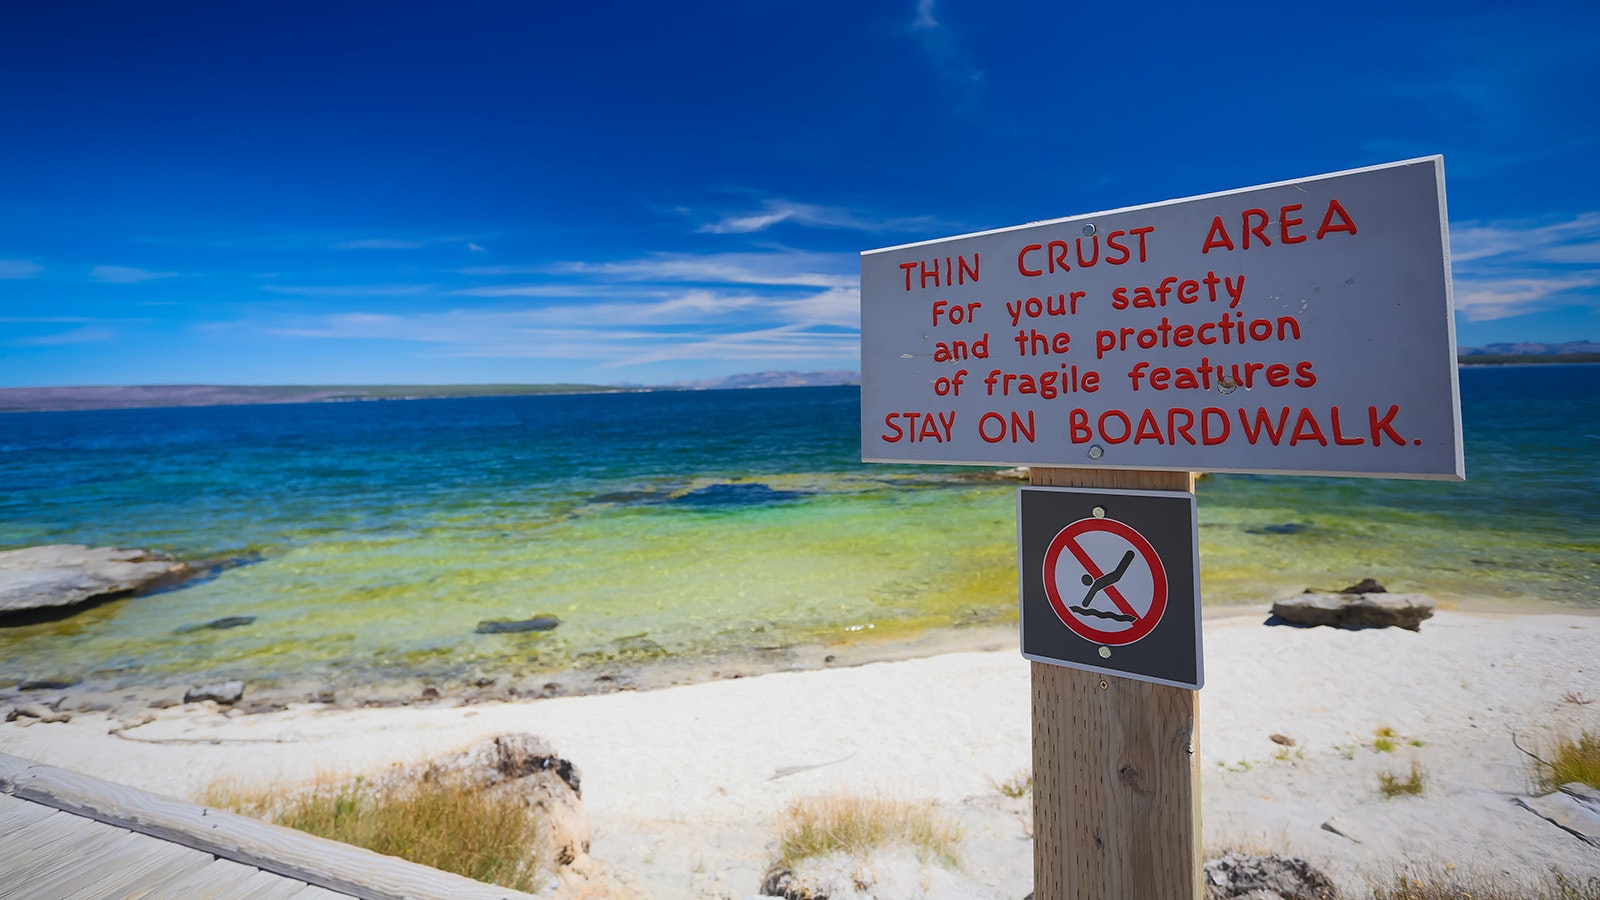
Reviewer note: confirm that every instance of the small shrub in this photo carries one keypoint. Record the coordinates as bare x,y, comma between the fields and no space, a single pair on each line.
1383,745
449,824
1392,785
819,826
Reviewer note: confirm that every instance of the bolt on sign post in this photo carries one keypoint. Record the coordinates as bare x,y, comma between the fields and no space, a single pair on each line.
1303,327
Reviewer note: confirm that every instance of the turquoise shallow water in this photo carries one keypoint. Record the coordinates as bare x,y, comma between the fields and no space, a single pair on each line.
686,523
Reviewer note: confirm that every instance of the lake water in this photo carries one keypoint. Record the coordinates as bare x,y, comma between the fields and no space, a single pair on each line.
380,534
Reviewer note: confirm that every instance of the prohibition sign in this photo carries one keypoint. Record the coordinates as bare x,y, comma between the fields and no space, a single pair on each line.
1101,573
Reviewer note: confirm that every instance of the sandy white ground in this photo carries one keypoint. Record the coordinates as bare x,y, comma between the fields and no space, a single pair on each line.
684,785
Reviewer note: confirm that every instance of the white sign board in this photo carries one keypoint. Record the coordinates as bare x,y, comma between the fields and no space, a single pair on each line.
1302,327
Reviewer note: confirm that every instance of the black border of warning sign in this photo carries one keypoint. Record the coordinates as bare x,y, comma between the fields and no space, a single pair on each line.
1170,652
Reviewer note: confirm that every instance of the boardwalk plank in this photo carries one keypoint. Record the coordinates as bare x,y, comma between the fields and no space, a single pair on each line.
17,815
38,847
88,849
312,892
267,886
222,878
143,861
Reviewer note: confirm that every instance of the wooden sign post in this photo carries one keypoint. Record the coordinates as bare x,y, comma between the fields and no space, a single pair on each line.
1303,327
1116,765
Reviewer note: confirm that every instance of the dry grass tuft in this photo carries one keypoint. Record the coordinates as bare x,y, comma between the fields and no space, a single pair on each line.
1455,886
1017,786
446,823
818,826
1392,785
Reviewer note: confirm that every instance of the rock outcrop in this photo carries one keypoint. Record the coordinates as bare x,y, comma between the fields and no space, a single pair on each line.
226,693
58,576
1247,876
1363,605
528,766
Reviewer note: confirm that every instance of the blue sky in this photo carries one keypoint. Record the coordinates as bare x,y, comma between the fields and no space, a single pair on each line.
341,192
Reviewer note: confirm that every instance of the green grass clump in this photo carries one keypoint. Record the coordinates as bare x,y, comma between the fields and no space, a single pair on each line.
1572,760
448,824
1392,785
855,826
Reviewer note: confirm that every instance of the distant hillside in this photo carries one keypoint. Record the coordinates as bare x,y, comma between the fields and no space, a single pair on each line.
53,399
45,399
1531,352
775,379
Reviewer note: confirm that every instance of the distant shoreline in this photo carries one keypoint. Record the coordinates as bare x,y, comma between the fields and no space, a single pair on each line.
155,396
102,397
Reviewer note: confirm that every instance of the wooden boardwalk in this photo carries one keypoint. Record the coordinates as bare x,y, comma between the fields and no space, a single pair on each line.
66,835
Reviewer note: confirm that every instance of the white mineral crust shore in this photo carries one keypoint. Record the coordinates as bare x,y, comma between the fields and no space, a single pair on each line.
685,785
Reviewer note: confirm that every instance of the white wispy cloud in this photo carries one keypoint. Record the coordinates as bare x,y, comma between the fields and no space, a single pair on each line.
944,47
351,290
380,244
19,268
1510,268
126,274
775,211
771,304
796,268
85,335
394,243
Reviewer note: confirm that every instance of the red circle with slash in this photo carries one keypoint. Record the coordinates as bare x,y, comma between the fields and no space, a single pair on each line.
1103,571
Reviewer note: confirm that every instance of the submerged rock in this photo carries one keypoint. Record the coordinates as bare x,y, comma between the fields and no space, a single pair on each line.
217,624
1284,528
512,626
1371,610
736,495
58,576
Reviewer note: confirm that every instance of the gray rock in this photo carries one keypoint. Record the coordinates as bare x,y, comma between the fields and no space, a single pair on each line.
1356,610
38,711
1246,876
1342,828
224,692
1575,808
64,575
1365,586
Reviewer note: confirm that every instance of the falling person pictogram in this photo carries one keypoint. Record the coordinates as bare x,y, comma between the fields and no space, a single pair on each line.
1096,585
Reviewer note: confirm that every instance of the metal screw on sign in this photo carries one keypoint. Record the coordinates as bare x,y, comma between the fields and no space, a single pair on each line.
1088,230
1096,451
